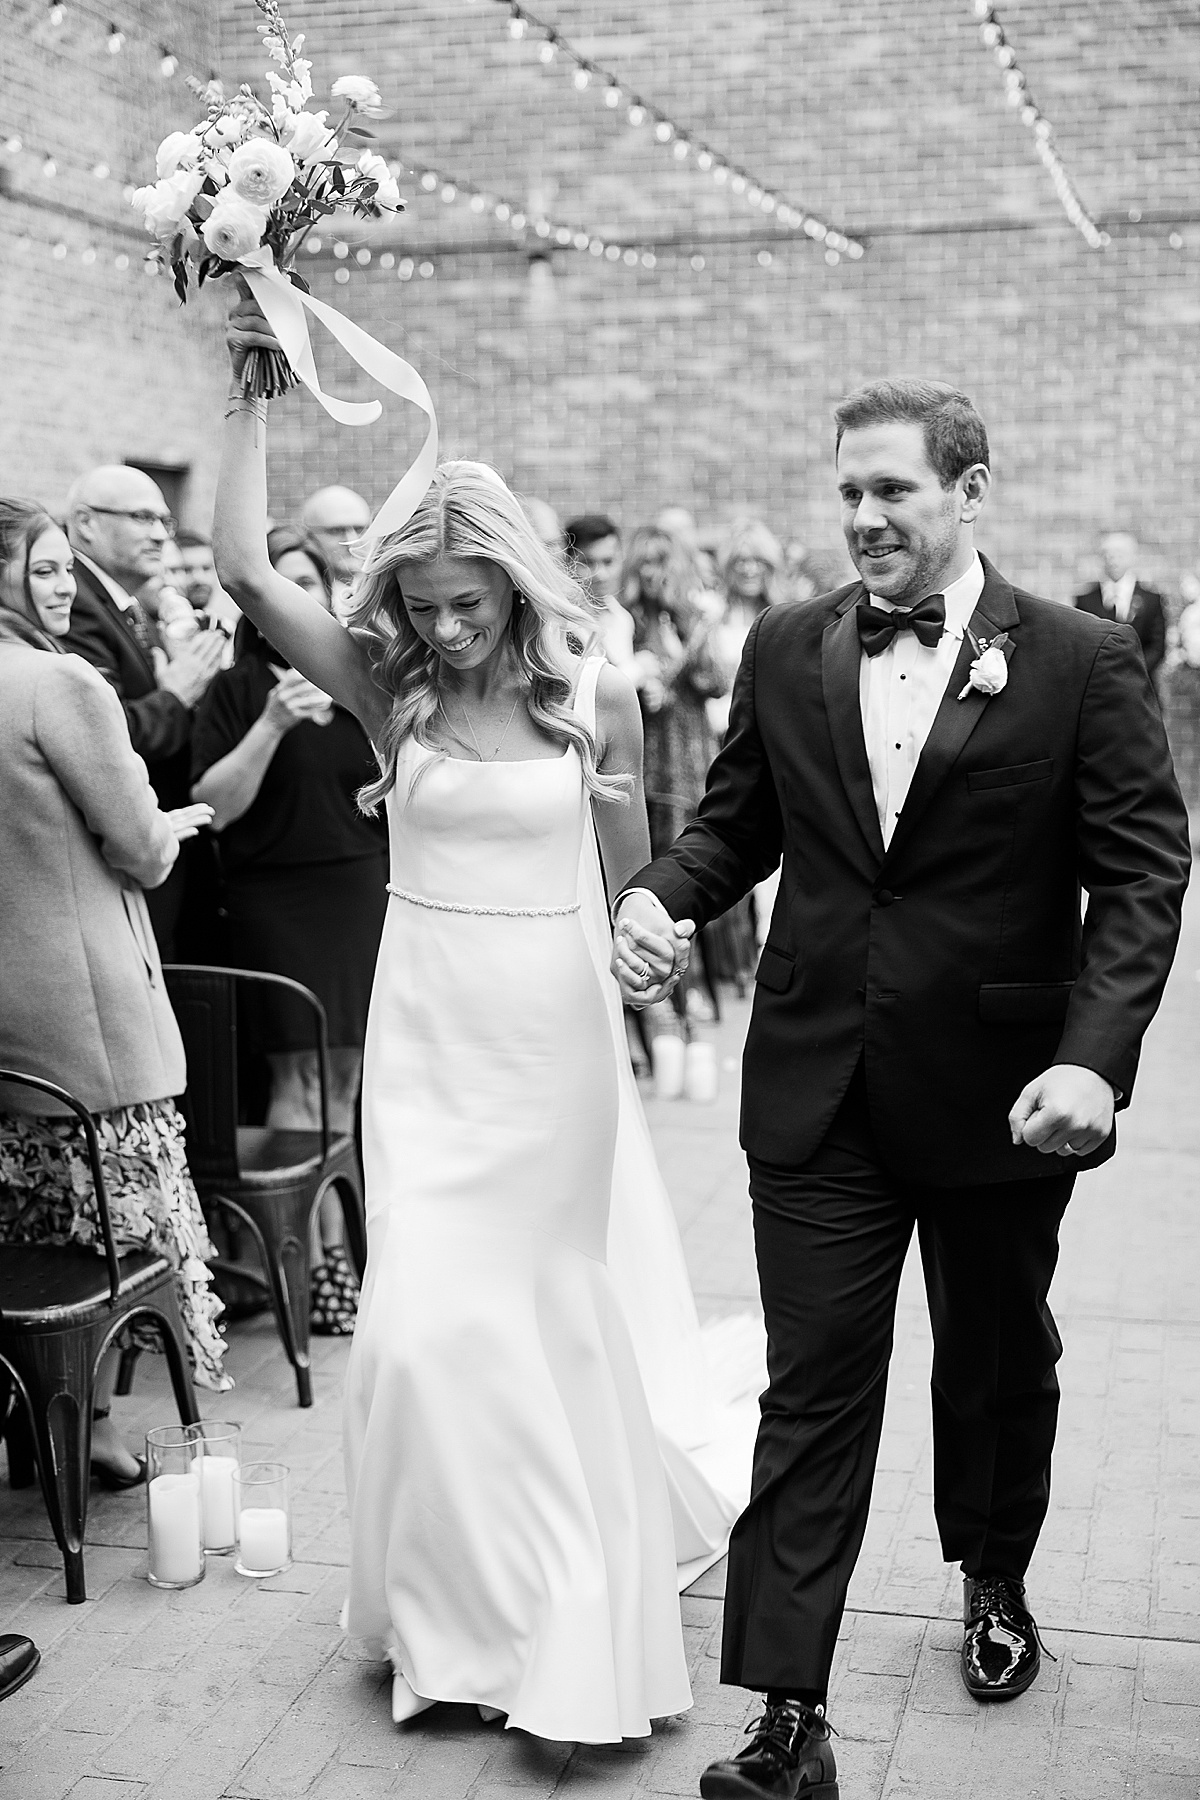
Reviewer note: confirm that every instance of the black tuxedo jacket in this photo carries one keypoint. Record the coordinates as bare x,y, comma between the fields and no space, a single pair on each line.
954,962
160,725
1146,615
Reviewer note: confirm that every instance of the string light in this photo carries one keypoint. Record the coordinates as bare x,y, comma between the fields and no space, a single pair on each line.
667,131
115,41
1016,86
168,62
57,12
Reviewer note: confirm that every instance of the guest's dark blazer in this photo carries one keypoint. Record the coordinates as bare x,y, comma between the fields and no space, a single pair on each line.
160,725
1147,615
954,963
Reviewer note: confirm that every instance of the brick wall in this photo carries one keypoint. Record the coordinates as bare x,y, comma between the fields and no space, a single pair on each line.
602,386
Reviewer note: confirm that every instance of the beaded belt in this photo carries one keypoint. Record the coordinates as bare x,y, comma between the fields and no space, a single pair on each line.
490,912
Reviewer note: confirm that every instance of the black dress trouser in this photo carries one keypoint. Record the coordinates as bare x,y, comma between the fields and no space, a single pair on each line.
831,1238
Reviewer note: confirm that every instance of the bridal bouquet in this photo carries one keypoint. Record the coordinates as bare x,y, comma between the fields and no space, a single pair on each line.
251,178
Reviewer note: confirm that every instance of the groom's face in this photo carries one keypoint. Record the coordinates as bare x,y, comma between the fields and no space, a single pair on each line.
902,526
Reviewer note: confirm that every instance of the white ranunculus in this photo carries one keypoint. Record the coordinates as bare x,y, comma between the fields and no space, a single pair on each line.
989,672
234,226
359,90
164,205
177,148
387,191
308,137
261,171
228,129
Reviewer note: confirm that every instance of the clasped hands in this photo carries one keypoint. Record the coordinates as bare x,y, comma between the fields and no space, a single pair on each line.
650,949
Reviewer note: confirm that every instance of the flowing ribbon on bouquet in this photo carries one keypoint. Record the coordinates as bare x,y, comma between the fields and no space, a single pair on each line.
284,306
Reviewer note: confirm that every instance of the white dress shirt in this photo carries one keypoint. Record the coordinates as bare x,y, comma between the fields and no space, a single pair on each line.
1118,596
900,691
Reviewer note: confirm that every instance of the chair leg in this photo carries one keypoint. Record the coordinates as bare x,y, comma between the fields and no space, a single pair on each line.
58,1388
126,1368
349,1190
165,1317
285,1259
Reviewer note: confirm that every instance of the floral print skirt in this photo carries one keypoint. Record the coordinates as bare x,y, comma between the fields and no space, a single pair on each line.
46,1197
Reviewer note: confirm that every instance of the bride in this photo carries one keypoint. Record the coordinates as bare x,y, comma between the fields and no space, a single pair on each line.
518,1515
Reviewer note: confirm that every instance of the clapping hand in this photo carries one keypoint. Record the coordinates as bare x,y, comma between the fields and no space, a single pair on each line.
1068,1111
193,666
294,698
185,821
650,949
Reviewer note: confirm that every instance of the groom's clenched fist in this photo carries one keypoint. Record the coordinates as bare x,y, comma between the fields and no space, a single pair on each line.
650,949
1068,1111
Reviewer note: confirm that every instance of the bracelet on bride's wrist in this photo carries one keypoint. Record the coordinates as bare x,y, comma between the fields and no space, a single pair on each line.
255,405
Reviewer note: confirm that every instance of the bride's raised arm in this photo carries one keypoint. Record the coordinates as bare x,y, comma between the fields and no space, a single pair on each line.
297,625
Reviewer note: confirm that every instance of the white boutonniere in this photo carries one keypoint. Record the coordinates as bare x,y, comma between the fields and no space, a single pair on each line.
989,672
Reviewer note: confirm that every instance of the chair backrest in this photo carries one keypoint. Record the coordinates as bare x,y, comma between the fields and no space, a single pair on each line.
205,1003
93,1149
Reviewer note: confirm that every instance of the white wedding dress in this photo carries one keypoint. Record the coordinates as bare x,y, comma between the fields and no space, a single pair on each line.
519,1508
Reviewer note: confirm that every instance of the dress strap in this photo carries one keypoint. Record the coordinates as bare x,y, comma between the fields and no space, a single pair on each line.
585,692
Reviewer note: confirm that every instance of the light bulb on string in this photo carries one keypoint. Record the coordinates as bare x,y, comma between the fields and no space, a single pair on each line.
115,42
387,260
664,131
697,263
612,95
362,257
517,26
429,181
59,252
546,53
477,203
704,161
542,227
636,115
404,268
88,256
49,167
12,146
449,193
101,171
563,235
681,149
121,261
502,210
581,78
57,12
425,270
738,184
630,259
341,276
649,260
518,221
313,246
168,62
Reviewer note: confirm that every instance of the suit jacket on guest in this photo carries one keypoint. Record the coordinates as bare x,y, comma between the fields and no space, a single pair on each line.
953,963
1146,614
82,1000
160,725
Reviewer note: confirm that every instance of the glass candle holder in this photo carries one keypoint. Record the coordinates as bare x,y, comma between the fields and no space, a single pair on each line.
174,1534
221,1440
264,1519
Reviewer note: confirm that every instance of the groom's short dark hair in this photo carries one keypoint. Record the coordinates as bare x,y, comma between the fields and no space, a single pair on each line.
955,435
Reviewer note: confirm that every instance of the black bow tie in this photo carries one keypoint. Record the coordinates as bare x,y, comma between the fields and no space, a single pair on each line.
877,628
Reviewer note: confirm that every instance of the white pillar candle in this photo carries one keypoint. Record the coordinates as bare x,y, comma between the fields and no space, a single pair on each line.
700,1081
175,1553
220,1524
666,1057
262,1537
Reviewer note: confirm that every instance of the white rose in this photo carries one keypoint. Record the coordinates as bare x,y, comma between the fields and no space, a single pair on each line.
234,226
228,129
176,148
387,191
359,90
164,205
989,672
307,136
261,171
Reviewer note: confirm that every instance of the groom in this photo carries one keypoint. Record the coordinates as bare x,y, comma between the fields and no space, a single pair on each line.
943,762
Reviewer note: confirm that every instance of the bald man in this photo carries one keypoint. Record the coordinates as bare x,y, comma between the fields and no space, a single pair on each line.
336,518
118,522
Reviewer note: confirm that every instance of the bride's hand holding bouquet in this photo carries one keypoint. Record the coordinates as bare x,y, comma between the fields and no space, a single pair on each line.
245,185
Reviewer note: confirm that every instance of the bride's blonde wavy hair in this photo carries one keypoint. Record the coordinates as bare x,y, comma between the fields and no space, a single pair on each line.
469,511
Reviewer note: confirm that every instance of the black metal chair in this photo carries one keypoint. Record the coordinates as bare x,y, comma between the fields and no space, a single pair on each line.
269,1181
60,1310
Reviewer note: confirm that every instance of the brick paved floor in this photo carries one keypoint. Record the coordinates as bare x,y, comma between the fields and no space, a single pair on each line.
243,1690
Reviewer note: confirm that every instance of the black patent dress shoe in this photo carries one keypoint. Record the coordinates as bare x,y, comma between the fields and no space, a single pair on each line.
1001,1651
789,1757
19,1657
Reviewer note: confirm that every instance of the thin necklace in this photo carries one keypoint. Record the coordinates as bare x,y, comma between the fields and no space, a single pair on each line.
475,741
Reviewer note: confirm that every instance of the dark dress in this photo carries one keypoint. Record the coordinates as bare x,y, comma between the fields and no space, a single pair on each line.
305,871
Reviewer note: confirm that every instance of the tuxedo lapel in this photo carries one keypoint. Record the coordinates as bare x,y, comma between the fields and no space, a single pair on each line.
956,719
841,656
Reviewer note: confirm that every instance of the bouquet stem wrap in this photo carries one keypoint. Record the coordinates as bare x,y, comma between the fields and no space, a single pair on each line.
284,307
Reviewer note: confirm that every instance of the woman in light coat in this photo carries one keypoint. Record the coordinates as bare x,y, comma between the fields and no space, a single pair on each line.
82,999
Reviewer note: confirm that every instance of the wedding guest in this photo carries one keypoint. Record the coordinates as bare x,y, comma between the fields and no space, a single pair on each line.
82,1001
117,523
336,518
1121,596
592,543
305,877
546,525
1179,689
201,588
676,671
750,562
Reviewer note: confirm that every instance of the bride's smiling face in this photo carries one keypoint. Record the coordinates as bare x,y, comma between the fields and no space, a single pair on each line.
460,605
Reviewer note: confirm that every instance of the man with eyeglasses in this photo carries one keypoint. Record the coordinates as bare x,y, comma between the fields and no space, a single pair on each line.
118,522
